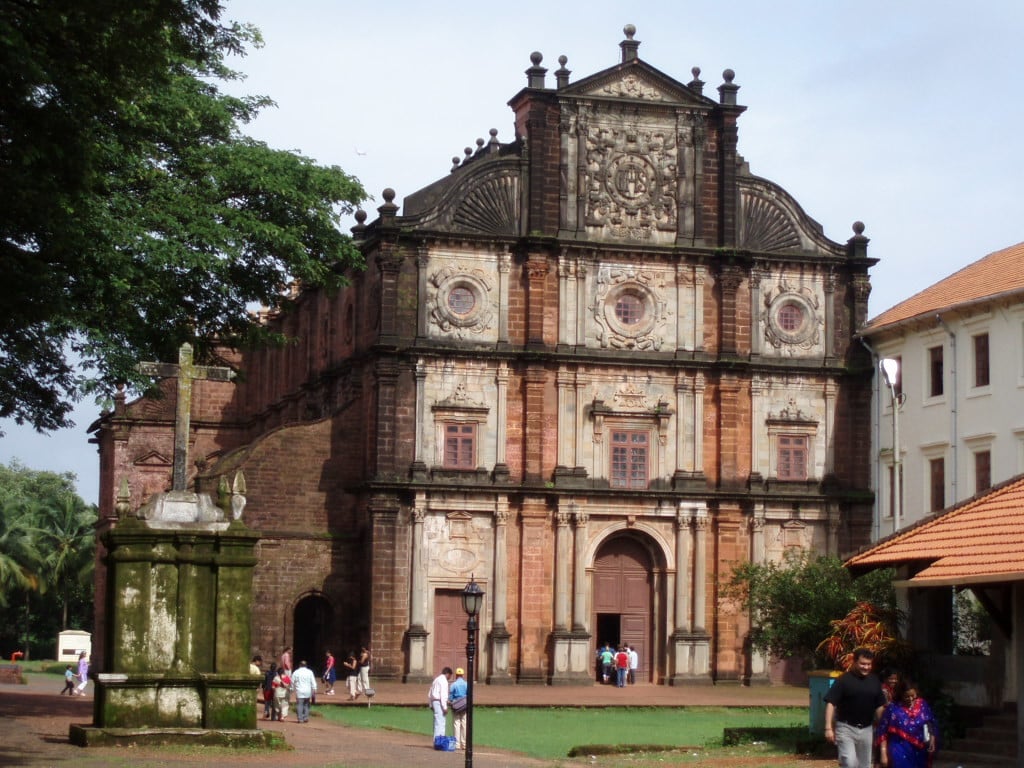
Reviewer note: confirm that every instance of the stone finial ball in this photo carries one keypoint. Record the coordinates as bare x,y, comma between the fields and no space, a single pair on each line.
563,60
536,57
858,227
728,75
695,72
360,215
389,195
629,30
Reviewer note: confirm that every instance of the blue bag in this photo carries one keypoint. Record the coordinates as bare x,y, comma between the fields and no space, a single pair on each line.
444,743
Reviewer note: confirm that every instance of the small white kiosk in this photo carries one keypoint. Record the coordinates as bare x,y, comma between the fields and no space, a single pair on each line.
72,642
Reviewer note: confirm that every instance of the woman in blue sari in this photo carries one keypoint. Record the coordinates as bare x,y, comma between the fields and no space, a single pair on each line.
907,729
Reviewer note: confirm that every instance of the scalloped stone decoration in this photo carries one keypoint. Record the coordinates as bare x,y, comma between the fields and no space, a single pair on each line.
491,207
764,226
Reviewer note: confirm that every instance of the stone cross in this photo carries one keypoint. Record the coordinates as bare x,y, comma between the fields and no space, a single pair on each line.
186,373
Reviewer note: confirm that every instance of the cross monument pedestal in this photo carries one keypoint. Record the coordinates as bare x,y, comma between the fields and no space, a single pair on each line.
177,638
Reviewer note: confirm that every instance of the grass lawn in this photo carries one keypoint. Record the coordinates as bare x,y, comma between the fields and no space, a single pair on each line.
551,732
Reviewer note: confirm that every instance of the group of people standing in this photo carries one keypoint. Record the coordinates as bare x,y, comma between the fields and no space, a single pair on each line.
879,722
280,681
444,694
619,664
355,669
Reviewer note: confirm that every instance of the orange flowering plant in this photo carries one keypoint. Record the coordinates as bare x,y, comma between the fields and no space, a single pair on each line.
866,626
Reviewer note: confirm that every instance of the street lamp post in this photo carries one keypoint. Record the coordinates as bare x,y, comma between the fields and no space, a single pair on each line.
891,371
472,602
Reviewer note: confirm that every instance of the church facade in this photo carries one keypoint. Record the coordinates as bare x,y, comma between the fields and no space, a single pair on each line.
591,369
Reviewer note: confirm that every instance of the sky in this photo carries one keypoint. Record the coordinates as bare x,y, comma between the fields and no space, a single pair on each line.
905,115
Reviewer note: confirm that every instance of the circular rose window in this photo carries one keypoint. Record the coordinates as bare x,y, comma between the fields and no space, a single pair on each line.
792,320
791,317
461,300
629,309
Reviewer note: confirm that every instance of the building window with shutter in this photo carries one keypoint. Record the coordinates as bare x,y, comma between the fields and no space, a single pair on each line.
982,471
981,367
792,457
937,484
935,372
459,446
629,460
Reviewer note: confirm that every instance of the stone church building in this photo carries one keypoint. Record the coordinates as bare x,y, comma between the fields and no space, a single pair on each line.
591,368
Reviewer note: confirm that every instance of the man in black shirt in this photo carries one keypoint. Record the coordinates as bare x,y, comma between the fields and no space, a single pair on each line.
852,705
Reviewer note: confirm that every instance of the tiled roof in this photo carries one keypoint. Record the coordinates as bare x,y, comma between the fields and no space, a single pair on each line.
979,540
998,273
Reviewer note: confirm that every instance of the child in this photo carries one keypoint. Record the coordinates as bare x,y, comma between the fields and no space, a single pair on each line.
69,681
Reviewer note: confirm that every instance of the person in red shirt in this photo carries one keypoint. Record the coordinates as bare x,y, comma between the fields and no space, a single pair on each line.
621,666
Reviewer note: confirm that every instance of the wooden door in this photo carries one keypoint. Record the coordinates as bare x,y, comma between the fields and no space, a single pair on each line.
449,630
623,584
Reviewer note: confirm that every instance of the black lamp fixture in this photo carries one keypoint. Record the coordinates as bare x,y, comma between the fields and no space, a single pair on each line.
472,602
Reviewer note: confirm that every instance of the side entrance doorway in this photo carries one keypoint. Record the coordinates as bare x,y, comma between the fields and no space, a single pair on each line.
450,631
311,628
623,599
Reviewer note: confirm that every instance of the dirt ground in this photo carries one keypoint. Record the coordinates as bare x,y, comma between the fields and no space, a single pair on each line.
34,725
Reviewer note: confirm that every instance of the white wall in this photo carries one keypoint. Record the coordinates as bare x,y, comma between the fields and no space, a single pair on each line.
963,420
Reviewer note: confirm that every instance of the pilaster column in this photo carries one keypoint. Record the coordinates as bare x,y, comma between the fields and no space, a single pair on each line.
685,319
416,635
580,316
757,274
562,563
500,596
565,427
500,636
699,278
577,423
563,299
830,315
700,570
421,410
504,264
758,662
389,263
729,280
698,423
537,269
579,602
685,425
418,598
501,418
684,576
831,393
757,388
422,262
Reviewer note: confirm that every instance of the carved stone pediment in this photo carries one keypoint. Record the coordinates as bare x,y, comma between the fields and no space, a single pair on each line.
636,81
770,220
153,459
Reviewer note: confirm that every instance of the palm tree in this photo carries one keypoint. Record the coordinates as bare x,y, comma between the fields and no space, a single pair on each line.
18,553
64,531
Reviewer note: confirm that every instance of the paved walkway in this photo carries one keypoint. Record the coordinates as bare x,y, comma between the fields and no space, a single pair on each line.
34,722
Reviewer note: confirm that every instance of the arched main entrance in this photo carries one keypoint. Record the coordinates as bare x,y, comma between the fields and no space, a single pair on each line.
313,619
624,598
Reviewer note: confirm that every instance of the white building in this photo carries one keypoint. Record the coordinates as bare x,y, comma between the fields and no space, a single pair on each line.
959,346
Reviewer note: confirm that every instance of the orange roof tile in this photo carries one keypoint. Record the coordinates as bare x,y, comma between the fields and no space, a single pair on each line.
980,540
998,273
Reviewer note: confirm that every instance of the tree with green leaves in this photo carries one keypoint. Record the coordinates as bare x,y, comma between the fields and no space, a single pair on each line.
47,551
792,603
134,213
